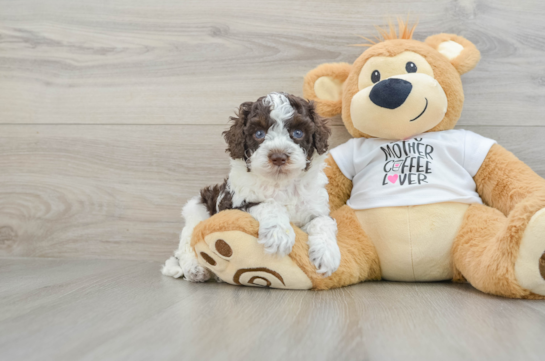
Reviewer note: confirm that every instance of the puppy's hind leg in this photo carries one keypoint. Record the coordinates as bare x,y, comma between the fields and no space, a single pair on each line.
184,262
322,241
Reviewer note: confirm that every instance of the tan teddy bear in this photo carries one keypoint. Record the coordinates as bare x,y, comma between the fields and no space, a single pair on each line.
414,199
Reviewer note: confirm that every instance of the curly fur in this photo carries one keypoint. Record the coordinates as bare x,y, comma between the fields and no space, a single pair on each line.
274,194
486,246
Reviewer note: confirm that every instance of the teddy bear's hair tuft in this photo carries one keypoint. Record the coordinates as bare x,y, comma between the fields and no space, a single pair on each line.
405,31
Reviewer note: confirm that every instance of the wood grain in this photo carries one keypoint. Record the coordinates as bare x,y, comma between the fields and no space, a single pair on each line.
104,191
111,112
193,62
111,115
126,310
116,191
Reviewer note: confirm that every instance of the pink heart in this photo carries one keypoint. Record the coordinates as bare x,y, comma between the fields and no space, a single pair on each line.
393,178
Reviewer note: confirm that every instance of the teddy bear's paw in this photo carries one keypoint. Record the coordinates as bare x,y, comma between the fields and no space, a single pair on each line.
278,239
324,253
237,258
542,266
532,246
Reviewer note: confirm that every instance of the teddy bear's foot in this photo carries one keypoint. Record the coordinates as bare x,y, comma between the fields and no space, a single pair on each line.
532,246
237,258
542,266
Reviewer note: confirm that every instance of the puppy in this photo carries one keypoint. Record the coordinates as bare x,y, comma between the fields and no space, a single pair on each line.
277,145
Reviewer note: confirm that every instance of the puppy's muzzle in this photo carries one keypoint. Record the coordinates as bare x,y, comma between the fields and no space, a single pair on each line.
278,159
390,93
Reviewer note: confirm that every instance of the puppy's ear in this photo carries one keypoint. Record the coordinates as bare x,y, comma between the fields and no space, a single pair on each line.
322,130
235,135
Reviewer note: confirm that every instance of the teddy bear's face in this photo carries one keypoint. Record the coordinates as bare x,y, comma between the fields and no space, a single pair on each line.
398,97
398,87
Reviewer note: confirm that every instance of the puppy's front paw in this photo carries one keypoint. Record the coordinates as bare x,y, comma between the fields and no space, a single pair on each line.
277,238
324,254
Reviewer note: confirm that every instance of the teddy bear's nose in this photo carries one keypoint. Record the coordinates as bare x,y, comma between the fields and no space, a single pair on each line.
390,93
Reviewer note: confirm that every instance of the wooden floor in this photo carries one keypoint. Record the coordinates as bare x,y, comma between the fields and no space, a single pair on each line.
125,310
111,115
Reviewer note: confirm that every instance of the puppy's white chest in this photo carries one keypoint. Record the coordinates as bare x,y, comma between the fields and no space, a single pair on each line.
304,198
303,204
294,199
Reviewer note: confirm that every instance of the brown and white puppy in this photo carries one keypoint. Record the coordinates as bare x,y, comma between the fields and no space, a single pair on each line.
277,145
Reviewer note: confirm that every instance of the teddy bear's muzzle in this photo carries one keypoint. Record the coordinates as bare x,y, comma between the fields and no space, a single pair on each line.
390,93
399,107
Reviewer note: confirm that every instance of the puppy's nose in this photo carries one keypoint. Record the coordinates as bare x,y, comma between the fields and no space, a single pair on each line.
390,93
278,158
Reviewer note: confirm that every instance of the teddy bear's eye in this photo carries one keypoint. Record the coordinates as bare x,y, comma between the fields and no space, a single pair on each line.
411,67
375,76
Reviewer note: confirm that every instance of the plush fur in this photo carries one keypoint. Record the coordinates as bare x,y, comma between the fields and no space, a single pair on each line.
339,72
339,187
486,248
503,181
444,72
359,261
496,243
487,245
466,60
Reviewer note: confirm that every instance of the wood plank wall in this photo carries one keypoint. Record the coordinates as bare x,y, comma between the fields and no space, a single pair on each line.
111,112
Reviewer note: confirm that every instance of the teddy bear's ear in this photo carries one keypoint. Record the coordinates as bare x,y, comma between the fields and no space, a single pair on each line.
461,53
324,85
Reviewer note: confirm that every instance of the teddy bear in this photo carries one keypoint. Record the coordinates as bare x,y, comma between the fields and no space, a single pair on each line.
415,200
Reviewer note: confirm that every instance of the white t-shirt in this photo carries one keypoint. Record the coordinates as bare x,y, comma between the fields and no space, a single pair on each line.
429,168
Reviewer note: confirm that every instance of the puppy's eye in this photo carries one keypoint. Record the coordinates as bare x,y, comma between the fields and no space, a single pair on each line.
411,67
260,134
297,134
375,76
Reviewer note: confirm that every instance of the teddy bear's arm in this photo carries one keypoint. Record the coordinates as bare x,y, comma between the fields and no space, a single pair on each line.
503,181
339,187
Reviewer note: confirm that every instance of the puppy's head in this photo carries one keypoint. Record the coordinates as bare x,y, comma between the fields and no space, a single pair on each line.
277,136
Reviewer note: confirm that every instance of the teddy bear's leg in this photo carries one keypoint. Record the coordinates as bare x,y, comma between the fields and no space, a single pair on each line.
527,266
501,255
226,244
